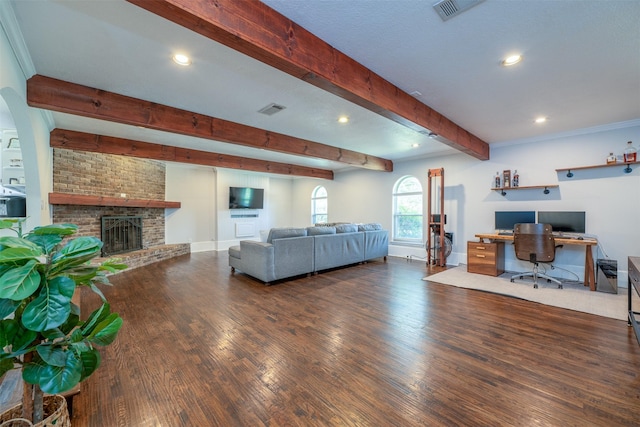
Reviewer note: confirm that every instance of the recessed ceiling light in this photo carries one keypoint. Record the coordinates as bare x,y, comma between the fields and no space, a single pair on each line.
416,145
541,119
343,119
181,59
432,135
511,60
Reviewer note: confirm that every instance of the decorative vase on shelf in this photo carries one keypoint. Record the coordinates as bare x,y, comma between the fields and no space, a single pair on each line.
611,159
630,153
516,178
496,180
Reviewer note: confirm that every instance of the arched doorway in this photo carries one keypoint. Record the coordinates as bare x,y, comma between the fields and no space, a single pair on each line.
19,157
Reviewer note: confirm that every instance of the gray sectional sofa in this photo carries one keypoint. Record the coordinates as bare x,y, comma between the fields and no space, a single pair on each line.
290,252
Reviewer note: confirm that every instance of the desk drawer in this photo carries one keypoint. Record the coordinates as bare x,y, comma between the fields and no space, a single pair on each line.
485,258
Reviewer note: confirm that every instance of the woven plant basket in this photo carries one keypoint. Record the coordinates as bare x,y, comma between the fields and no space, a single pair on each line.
55,412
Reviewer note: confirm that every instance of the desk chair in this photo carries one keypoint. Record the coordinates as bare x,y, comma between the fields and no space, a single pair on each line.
535,243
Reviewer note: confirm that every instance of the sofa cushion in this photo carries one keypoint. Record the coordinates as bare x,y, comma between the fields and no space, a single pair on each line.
283,233
346,228
370,227
316,231
234,251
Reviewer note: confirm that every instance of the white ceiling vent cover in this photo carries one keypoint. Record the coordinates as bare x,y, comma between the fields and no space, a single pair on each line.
271,109
447,9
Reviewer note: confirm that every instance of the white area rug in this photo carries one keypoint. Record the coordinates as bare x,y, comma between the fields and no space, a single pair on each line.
573,296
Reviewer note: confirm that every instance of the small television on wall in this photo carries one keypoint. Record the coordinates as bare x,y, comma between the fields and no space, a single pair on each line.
246,198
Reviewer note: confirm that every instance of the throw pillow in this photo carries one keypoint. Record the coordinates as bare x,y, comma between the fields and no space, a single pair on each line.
346,228
370,227
315,231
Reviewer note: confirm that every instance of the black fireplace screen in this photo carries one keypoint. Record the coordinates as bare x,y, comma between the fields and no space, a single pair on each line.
121,234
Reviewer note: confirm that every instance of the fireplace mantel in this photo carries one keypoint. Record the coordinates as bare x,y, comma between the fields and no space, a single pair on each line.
88,200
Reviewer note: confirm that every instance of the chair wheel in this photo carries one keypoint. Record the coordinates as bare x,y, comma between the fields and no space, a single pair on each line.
535,286
559,286
512,280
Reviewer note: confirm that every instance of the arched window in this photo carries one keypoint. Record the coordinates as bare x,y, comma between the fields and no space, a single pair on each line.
407,210
319,206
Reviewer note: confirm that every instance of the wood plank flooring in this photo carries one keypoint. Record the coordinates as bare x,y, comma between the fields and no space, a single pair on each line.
367,345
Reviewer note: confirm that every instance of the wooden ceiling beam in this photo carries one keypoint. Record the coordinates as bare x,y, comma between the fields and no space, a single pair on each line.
74,140
58,95
253,28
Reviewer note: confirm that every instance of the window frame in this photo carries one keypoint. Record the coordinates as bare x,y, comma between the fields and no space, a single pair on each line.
418,241
315,198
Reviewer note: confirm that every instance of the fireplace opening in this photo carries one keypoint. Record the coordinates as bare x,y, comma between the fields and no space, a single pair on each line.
121,234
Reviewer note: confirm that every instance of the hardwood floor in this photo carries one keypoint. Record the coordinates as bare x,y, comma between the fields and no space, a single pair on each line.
368,345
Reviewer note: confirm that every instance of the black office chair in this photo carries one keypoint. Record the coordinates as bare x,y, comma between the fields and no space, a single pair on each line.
535,243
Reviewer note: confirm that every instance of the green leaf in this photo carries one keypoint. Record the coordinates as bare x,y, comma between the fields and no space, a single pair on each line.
53,355
53,334
106,331
19,255
8,330
8,223
72,321
94,318
83,273
7,307
54,379
76,336
113,265
19,282
22,339
52,306
56,229
79,248
90,362
17,242
46,241
95,289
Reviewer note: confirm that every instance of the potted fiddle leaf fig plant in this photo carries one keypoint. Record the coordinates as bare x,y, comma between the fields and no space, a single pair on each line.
41,331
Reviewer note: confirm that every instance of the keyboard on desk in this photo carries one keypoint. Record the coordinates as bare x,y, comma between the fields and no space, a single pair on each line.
559,235
505,233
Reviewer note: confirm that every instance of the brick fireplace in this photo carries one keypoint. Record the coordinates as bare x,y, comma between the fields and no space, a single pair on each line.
109,176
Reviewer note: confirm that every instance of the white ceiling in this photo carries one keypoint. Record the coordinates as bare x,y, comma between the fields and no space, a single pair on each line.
581,69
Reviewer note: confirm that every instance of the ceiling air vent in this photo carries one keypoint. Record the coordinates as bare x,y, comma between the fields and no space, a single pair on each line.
447,9
271,109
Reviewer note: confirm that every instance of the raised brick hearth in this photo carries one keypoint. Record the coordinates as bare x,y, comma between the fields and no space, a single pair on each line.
107,175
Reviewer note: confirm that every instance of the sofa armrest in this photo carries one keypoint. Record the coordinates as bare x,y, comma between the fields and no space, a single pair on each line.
257,260
376,244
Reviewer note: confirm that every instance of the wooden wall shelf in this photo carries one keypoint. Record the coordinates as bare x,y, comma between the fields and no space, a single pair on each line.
87,200
503,190
627,167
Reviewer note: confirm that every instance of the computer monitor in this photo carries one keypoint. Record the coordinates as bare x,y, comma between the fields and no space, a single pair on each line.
564,221
506,220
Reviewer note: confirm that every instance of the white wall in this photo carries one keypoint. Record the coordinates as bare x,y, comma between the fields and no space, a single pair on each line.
610,197
30,123
195,221
276,212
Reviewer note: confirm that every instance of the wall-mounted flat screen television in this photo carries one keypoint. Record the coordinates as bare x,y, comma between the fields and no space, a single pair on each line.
246,198
564,221
506,220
